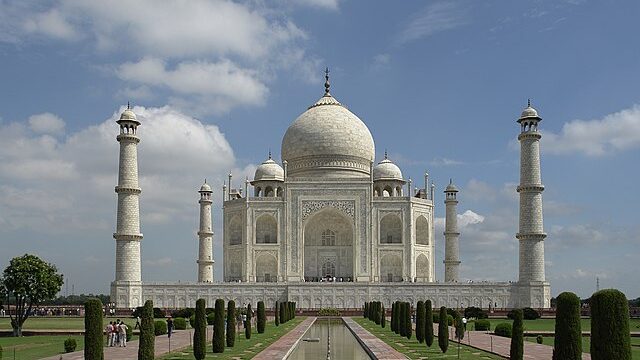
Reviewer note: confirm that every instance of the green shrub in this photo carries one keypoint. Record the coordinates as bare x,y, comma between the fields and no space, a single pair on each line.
435,318
192,321
329,312
530,314
610,337
449,320
517,337
407,319
93,342
475,312
383,316
281,313
428,323
160,327
185,313
402,330
147,333
218,327
0,352
482,325
567,343
262,318
503,329
276,313
393,314
231,323
158,313
365,312
180,323
540,340
129,332
69,345
443,330
211,318
209,311
199,325
459,326
247,325
420,321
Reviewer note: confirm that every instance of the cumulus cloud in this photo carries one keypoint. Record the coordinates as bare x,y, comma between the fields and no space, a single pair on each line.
434,18
51,23
613,133
46,123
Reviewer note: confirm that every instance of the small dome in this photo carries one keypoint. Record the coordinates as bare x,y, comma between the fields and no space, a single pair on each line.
386,170
451,187
128,115
269,170
205,187
529,113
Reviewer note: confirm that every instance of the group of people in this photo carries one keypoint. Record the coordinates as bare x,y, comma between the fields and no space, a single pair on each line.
116,333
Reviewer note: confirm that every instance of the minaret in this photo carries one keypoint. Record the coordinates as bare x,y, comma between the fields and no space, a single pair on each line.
127,284
530,233
451,234
205,236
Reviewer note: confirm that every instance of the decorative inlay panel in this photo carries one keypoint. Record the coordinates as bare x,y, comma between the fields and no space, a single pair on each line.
311,206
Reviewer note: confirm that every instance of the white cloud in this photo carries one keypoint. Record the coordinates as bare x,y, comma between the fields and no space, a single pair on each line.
434,18
46,123
321,4
51,23
381,60
441,161
158,262
613,133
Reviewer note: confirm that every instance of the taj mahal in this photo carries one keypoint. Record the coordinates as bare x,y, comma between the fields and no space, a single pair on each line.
330,226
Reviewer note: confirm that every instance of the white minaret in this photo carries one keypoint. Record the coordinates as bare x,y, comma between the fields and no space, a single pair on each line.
530,234
451,234
205,236
126,289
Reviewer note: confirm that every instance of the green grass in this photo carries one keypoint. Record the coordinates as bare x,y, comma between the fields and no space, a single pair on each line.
549,324
243,349
58,323
36,347
414,350
586,343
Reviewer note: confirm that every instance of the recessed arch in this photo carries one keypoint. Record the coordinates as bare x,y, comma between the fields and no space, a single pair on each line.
235,230
422,268
422,230
391,229
266,268
328,245
266,229
391,268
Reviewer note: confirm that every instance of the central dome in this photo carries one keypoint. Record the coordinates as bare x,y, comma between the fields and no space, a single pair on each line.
328,140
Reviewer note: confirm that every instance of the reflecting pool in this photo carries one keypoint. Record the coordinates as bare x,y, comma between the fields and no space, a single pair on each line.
343,345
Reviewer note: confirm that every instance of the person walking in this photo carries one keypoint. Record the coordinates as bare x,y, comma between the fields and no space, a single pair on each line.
137,323
123,334
116,330
169,326
109,332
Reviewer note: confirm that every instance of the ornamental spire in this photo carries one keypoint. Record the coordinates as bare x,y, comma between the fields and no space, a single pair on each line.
327,85
528,102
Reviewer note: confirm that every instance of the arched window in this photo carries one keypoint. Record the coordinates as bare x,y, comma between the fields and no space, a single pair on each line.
328,268
391,229
422,231
266,230
279,192
328,238
235,230
268,191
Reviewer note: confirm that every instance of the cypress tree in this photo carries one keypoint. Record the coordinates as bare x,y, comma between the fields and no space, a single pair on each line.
200,331
517,341
401,323
276,313
376,315
92,330
281,313
610,337
247,328
567,344
218,327
420,321
364,311
383,319
428,323
231,323
459,326
393,315
409,327
262,317
443,330
147,337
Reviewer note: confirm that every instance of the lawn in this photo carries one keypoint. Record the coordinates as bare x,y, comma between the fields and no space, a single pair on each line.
243,349
414,350
58,323
36,347
549,324
586,343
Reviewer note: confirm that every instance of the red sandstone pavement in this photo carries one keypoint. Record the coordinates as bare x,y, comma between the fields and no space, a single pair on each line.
374,346
180,339
283,346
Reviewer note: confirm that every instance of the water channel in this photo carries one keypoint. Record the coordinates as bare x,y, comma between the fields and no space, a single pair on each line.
342,344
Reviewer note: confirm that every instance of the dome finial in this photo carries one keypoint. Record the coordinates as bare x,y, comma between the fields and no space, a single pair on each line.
269,153
128,106
326,82
205,180
450,181
528,102
385,154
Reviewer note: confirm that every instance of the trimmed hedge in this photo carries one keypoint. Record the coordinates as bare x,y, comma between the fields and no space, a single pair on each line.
567,343
428,323
179,324
69,346
482,325
160,327
443,330
383,319
262,317
231,323
183,313
218,327
276,314
503,329
527,314
459,326
401,322
540,340
147,340
610,337
200,330
365,311
211,318
247,325
420,321
93,341
475,312
517,337
407,319
281,313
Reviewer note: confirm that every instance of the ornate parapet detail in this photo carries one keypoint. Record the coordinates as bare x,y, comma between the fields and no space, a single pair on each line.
127,190
309,207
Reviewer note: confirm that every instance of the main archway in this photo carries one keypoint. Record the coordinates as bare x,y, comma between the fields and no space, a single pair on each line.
328,246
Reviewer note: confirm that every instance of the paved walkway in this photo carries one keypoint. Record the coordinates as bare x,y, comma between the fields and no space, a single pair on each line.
179,339
283,346
375,347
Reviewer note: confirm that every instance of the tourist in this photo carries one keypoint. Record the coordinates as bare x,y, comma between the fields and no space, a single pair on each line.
109,332
169,326
122,332
116,330
137,323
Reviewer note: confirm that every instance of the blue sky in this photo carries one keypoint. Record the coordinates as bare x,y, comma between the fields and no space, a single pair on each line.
216,83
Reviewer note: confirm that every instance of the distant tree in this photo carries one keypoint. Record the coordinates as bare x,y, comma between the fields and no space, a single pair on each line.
567,343
459,326
26,283
401,319
247,327
218,327
365,311
443,330
407,319
517,340
610,337
231,323
428,323
393,315
262,317
200,329
147,339
377,312
475,312
420,321
93,343
276,313
383,318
